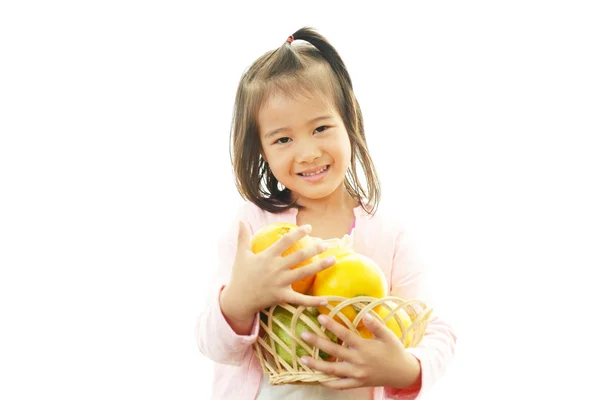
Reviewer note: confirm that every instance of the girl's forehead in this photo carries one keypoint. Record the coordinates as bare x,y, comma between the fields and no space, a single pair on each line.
281,105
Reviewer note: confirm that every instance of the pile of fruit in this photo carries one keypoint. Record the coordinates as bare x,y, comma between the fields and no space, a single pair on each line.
353,275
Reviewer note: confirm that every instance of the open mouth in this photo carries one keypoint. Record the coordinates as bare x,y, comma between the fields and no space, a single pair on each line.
316,173
316,176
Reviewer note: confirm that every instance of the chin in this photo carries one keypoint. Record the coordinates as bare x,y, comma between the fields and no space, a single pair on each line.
316,194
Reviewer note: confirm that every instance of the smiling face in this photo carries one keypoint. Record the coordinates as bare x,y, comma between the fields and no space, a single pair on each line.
305,143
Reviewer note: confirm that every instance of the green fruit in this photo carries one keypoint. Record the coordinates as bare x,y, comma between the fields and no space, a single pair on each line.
285,317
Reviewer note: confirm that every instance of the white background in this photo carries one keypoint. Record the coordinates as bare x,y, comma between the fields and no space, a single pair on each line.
115,181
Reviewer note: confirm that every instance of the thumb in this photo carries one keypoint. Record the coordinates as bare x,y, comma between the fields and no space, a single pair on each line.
244,237
377,328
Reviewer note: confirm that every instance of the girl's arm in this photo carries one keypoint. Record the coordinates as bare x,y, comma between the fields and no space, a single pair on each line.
215,337
436,349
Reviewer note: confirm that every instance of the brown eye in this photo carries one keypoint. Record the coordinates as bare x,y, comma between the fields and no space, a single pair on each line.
321,128
283,140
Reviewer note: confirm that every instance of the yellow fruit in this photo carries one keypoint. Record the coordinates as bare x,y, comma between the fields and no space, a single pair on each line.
391,323
352,275
269,234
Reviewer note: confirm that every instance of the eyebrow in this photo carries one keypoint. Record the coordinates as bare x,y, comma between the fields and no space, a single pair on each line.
278,130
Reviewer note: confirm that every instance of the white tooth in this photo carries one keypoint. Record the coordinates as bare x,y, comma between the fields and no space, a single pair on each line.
315,173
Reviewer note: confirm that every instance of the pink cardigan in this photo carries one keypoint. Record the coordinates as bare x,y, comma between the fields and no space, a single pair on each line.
238,374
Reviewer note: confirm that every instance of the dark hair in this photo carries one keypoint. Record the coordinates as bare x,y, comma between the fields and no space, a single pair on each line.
294,69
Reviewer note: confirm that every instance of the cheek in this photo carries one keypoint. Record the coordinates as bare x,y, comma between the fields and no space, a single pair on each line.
279,163
343,152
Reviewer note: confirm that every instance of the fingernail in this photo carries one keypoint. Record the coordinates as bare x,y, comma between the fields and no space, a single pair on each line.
324,302
322,319
368,318
303,360
305,335
331,259
307,228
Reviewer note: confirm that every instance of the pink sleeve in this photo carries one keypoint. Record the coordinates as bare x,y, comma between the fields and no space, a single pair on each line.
215,338
436,349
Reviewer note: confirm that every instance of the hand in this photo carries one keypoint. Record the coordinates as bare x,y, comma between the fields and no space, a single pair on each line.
261,280
380,361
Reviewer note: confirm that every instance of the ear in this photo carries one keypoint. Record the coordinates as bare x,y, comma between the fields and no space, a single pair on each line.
262,155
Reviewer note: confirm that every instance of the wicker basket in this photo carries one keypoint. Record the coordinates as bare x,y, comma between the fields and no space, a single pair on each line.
281,371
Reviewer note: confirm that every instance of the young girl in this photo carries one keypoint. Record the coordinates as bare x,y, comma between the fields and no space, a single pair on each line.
297,141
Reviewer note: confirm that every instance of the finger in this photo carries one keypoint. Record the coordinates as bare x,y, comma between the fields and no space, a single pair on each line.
309,270
378,329
343,383
296,298
304,254
346,335
288,240
342,369
329,347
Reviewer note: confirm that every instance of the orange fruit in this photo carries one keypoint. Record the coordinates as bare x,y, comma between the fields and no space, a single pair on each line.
269,234
352,275
392,323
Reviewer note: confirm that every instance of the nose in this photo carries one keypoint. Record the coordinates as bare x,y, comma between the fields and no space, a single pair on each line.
308,150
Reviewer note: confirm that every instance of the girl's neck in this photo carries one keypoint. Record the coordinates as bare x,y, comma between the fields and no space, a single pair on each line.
338,201
330,218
